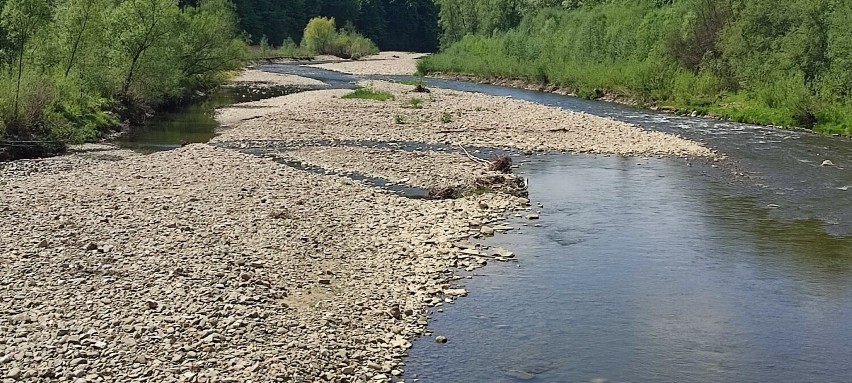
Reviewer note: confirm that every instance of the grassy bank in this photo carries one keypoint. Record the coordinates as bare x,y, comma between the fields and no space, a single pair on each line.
749,62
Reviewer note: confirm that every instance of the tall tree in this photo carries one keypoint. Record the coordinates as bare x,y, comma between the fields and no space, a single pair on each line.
22,19
138,26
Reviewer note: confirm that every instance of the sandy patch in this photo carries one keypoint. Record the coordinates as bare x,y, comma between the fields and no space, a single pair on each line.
384,63
261,78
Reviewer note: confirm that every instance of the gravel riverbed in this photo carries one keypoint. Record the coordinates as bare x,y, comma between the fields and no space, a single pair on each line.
206,264
203,264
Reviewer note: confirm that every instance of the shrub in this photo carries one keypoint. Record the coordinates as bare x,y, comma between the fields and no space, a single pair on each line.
322,38
414,103
319,35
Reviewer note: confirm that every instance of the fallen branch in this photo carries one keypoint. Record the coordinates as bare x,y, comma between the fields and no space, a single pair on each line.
474,159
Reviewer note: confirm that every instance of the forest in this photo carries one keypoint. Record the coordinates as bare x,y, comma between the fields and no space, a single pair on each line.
746,60
410,25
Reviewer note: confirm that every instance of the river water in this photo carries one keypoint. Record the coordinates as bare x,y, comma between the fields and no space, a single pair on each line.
660,269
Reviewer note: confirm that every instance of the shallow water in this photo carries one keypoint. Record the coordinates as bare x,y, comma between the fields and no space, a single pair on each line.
649,273
194,122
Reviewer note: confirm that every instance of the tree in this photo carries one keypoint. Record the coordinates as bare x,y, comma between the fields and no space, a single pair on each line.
206,44
77,18
138,26
319,35
22,19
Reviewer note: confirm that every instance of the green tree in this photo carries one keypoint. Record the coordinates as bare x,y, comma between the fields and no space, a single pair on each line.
22,19
206,44
77,19
319,35
140,25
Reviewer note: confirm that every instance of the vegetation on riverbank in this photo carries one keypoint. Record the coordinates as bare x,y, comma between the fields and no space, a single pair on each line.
750,61
72,69
321,37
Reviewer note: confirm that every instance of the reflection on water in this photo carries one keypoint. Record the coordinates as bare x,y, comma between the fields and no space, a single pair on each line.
195,122
649,273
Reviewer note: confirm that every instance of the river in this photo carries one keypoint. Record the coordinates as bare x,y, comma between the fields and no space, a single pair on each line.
660,269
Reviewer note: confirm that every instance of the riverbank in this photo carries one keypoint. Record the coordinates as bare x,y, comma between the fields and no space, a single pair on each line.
782,102
206,263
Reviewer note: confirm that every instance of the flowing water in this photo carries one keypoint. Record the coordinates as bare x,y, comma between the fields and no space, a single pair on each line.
660,270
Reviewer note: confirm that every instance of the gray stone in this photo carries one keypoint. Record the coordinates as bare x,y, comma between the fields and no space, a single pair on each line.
13,373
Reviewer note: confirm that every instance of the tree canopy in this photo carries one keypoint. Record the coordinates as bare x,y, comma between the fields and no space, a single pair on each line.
392,24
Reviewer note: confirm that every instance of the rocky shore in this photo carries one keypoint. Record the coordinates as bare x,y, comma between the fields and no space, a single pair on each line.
203,264
208,264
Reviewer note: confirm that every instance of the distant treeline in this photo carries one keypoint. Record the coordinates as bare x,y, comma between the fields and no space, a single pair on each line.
763,61
392,24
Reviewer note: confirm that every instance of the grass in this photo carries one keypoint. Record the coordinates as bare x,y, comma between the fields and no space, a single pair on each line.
369,94
399,119
625,49
414,103
446,118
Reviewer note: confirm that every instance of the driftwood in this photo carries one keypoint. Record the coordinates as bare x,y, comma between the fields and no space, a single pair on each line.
474,159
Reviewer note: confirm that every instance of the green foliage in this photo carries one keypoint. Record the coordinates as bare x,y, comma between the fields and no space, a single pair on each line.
369,94
446,118
750,60
399,119
414,103
74,61
288,50
320,35
392,24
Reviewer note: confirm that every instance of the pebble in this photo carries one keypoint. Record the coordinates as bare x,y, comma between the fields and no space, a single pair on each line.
13,373
827,163
441,339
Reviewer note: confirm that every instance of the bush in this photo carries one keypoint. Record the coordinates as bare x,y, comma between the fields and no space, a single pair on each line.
322,38
320,35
